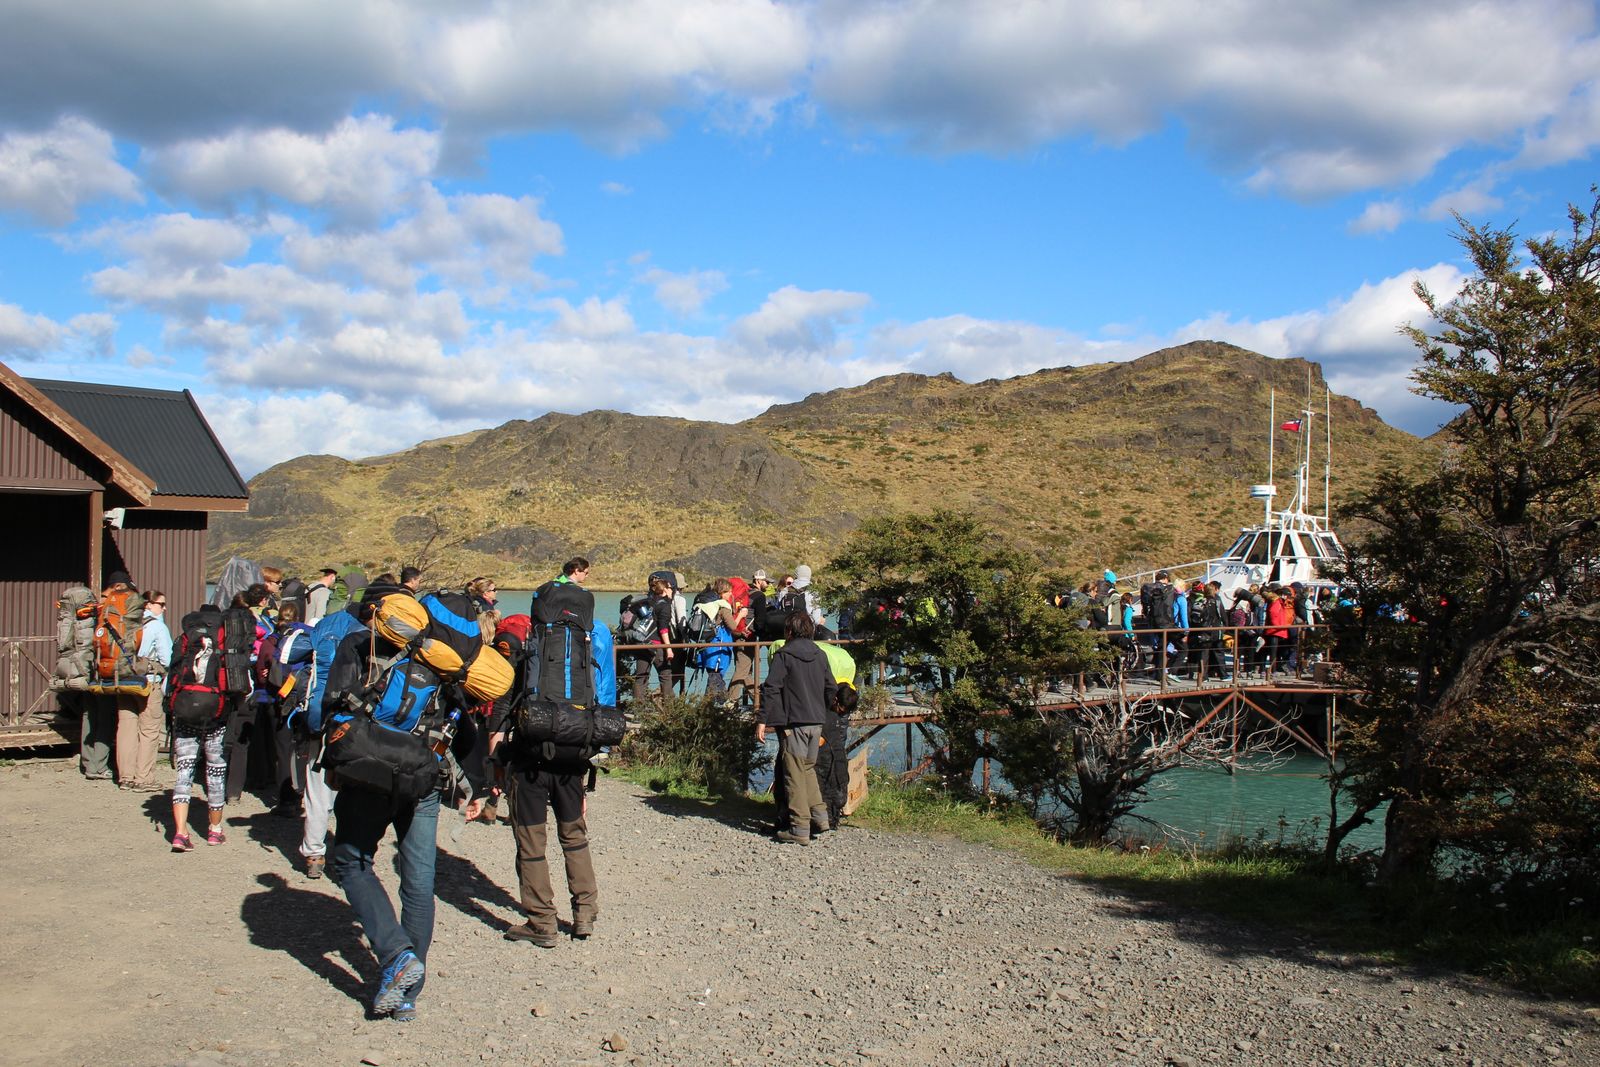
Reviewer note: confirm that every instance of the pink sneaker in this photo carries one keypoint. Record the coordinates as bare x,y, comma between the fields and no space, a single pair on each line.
182,843
216,837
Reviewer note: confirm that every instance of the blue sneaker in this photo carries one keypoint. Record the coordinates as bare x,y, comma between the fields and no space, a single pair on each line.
404,1012
403,972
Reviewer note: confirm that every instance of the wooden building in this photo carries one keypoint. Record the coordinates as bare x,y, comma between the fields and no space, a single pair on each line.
95,479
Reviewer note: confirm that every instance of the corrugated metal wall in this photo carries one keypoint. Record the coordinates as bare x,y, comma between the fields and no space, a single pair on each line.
34,453
166,550
45,550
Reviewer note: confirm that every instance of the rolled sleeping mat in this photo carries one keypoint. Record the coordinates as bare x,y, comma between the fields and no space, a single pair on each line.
489,676
400,619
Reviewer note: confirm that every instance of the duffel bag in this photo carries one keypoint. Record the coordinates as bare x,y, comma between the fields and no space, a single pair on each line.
363,754
554,722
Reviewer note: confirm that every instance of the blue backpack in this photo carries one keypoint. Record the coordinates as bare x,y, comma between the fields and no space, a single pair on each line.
385,747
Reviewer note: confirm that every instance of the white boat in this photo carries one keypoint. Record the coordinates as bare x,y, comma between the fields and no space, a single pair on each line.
1291,544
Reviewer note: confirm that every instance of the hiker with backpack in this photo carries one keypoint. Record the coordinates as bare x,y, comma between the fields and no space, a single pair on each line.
388,721
284,670
318,594
711,620
557,718
1208,617
653,625
742,681
198,701
140,719
118,616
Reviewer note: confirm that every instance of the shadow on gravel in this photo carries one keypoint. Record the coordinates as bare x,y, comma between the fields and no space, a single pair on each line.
311,927
460,884
737,814
274,832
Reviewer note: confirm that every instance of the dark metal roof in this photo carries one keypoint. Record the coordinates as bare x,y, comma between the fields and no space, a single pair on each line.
161,432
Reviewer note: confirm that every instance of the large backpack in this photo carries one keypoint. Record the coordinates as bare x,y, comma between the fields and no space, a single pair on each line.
791,602
511,637
75,624
559,664
118,627
701,627
238,641
453,619
294,591
385,746
197,693
638,618
563,602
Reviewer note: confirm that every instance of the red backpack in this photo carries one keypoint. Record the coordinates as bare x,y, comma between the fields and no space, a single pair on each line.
511,636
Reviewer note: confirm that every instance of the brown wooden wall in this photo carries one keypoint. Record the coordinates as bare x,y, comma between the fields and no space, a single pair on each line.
44,548
165,550
35,454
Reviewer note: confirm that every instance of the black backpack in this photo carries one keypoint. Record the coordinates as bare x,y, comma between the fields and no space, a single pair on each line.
196,692
641,629
699,627
238,641
559,664
294,591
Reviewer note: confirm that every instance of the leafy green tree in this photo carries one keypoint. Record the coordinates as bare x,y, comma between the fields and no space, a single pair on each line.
969,619
1495,559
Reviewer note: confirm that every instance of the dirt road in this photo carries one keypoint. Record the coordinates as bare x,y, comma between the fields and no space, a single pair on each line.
714,946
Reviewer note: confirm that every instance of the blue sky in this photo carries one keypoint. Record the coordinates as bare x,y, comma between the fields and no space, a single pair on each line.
351,227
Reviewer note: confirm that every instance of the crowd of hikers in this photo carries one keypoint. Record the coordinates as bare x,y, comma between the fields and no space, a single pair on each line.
361,707
1196,630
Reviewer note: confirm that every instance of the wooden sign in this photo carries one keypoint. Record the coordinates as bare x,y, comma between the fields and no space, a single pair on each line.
858,782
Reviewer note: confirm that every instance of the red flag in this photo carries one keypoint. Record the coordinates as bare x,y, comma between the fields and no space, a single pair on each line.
1293,426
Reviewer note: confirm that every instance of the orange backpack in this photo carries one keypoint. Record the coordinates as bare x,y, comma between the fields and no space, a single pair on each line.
116,634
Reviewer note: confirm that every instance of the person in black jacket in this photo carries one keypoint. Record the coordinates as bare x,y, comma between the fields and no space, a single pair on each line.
795,698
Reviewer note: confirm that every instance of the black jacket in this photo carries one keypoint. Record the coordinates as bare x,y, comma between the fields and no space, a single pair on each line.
799,687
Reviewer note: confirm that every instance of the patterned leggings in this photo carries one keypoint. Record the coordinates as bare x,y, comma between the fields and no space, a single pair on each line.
186,752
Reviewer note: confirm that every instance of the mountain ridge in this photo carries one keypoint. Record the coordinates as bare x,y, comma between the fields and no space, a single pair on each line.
1128,464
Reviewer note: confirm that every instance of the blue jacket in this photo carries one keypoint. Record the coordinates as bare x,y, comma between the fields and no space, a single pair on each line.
1180,611
325,640
605,665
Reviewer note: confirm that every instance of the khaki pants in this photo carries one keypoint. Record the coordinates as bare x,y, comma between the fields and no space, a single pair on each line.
138,736
532,795
797,754
743,679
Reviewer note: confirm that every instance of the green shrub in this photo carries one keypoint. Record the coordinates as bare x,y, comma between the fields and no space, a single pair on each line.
696,745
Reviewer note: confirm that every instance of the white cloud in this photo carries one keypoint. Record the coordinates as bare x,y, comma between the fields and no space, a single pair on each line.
687,292
50,175
593,320
977,349
616,189
1467,201
26,337
359,171
799,320
175,242
1302,98
1380,216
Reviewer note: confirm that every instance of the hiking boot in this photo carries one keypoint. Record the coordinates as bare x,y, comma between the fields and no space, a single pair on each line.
787,838
538,937
397,980
582,929
182,843
316,866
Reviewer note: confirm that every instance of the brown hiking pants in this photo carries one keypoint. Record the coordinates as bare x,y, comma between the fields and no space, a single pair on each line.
533,794
797,762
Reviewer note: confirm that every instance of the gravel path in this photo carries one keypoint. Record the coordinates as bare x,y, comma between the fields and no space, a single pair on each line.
714,946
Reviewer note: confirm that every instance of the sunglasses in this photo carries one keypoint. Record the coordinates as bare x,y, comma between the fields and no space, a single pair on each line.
158,603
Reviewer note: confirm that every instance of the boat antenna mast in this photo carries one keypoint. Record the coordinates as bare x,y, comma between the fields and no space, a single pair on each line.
1327,455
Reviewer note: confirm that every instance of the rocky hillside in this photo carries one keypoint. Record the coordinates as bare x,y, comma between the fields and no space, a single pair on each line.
1127,464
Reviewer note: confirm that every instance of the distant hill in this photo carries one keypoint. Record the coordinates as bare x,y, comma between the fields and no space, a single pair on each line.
1130,465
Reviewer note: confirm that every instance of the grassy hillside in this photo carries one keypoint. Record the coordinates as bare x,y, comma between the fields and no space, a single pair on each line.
1123,464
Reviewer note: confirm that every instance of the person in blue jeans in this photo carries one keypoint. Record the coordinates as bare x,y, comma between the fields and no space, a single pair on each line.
401,946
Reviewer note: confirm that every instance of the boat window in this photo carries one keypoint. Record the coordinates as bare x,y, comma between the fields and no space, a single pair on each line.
1330,547
1258,550
1294,546
1237,551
